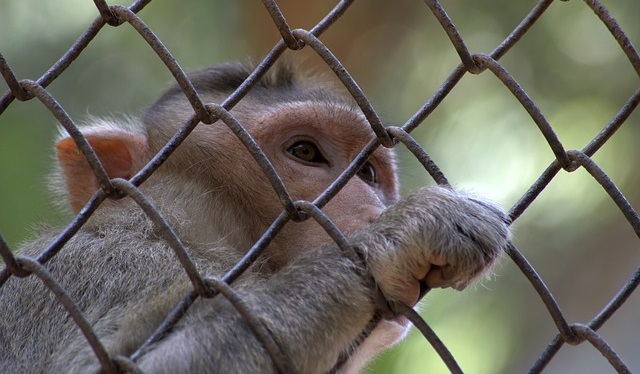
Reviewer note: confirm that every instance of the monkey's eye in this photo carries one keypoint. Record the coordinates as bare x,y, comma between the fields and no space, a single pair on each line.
307,152
368,174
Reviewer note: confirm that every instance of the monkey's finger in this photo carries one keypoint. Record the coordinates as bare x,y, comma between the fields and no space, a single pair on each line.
419,272
421,275
443,277
436,278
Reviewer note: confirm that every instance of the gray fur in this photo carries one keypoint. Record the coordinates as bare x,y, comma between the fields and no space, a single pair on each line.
316,305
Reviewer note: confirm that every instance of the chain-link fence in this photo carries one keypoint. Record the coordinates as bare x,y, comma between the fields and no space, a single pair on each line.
296,39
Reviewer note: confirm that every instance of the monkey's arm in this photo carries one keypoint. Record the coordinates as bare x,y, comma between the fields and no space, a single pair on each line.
319,304
314,308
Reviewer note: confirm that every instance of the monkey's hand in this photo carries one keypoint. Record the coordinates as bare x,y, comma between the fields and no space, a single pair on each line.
435,237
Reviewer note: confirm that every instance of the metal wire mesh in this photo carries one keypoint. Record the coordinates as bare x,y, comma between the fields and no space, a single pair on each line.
296,39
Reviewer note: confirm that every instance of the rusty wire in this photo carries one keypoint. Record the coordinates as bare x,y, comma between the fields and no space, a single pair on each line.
296,39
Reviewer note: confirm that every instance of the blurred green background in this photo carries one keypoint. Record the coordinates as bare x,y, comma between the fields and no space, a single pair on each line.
483,140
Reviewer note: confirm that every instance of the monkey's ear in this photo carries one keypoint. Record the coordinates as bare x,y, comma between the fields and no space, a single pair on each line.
122,154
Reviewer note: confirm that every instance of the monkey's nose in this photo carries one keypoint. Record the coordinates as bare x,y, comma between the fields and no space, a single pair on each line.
371,213
360,217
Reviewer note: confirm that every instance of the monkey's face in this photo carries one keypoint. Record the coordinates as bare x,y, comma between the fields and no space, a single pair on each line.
310,144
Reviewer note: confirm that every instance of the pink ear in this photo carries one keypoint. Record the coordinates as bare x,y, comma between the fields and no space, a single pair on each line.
121,153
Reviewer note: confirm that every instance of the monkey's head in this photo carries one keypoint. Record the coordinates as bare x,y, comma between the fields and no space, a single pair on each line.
308,130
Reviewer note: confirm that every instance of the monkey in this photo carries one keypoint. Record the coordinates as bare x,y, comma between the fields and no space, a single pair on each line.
322,308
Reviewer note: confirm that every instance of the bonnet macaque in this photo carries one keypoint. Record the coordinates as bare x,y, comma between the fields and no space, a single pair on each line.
320,306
